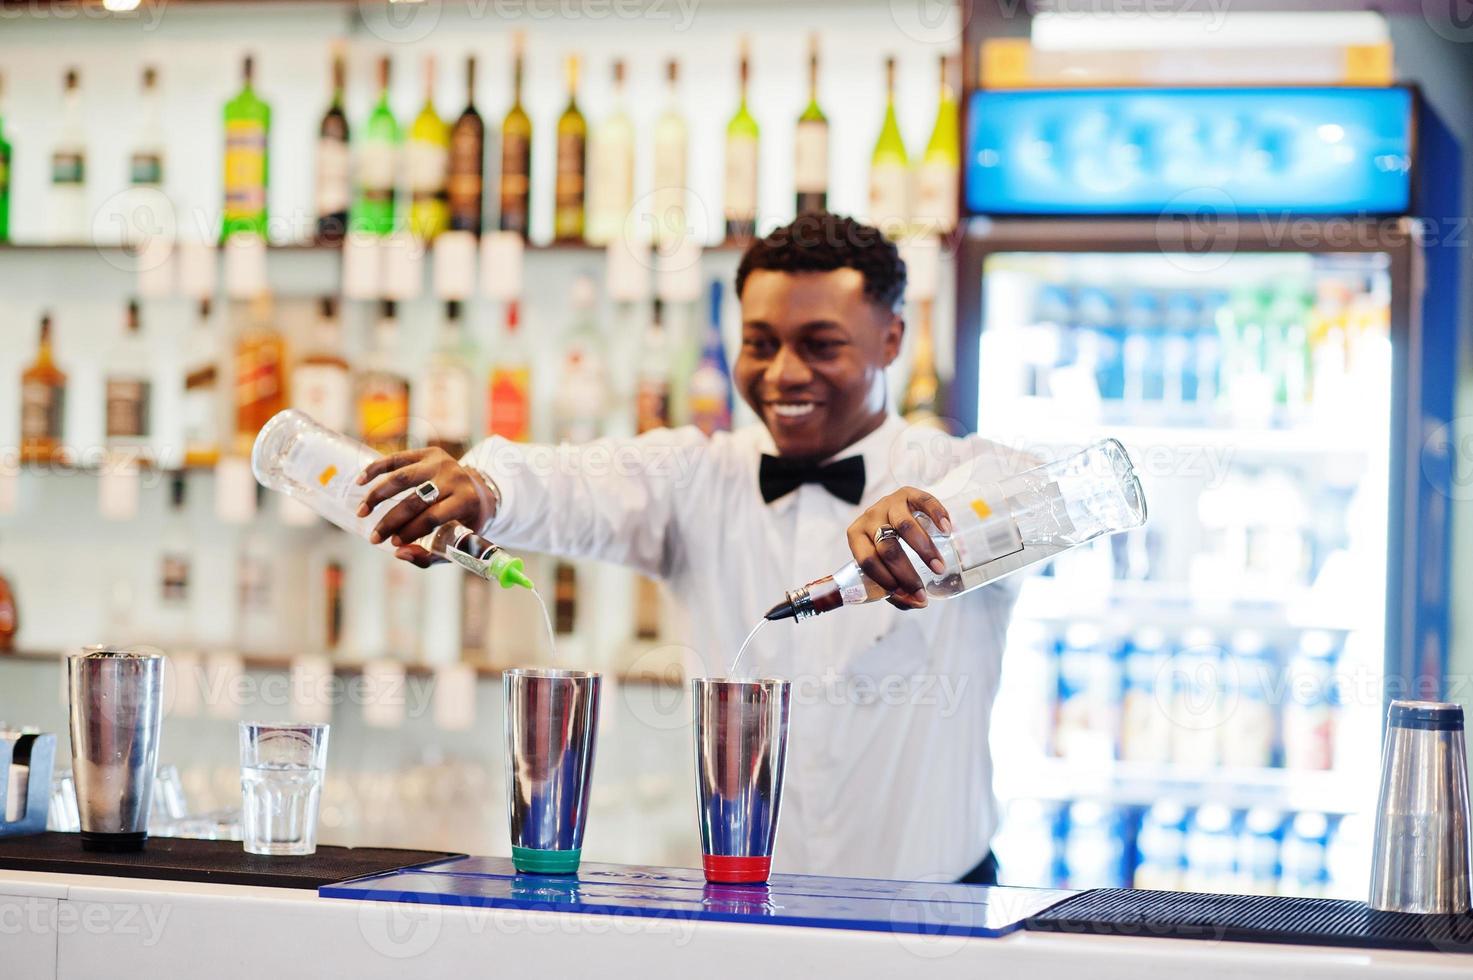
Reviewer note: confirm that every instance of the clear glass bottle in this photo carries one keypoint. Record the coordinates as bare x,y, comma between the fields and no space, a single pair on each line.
322,381
383,391
445,389
1000,527
128,387
319,468
145,167
69,220
175,566
582,400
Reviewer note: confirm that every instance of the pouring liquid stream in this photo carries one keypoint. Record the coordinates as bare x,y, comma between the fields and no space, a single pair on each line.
547,621
735,671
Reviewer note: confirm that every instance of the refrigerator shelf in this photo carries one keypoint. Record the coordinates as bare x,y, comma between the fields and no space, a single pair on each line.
1120,783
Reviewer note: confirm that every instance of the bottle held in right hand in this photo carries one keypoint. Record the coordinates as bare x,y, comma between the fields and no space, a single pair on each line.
1000,527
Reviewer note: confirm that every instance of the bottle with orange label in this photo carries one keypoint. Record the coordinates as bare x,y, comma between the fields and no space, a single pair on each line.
383,392
998,527
509,390
260,374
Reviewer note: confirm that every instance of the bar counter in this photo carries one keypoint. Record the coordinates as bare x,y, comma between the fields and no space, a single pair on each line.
79,927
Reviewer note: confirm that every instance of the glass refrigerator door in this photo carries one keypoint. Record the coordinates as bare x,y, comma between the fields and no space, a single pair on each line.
1181,704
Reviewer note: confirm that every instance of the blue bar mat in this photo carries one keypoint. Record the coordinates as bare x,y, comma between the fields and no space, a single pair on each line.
682,895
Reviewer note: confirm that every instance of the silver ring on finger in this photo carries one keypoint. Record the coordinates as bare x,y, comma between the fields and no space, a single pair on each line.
427,492
885,533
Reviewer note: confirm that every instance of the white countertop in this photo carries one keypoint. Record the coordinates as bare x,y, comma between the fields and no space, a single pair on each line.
84,927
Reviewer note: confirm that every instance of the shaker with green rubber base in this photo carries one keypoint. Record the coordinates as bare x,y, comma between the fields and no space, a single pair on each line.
551,729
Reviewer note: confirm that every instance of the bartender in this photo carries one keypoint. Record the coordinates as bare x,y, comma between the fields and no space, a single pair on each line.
889,772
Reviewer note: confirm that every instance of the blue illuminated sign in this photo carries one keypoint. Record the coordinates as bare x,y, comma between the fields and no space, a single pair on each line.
1149,151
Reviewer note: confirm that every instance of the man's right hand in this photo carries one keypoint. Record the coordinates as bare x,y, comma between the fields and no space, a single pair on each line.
464,497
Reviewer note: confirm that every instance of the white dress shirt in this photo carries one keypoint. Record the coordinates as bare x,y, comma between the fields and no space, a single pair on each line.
889,773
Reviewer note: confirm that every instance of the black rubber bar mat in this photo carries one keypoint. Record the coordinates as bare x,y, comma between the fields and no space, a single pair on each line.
180,859
1253,918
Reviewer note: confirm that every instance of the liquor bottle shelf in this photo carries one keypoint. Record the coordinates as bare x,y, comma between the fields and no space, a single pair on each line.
1121,783
554,247
281,663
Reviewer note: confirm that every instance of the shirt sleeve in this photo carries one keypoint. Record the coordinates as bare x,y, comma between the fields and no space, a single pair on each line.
614,500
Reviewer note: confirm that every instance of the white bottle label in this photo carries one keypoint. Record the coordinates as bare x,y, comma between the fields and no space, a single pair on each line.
740,200
324,392
889,190
936,192
811,157
376,167
425,166
985,531
447,406
333,176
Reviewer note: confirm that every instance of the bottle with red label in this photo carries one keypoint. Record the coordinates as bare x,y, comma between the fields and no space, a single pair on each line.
260,374
509,390
322,383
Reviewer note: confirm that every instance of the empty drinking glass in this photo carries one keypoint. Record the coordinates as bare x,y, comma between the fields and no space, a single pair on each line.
281,769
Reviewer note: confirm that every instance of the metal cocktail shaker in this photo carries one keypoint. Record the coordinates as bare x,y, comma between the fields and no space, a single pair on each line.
116,699
551,729
1420,862
741,733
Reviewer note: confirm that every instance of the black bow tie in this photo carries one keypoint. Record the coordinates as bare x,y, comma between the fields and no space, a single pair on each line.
780,475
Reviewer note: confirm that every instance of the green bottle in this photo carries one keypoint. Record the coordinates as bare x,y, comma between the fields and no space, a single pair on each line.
247,165
811,146
739,203
938,183
889,172
378,150
4,177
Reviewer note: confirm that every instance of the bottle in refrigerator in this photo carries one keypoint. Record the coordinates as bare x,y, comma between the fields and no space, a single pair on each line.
42,403
128,387
998,527
465,185
1286,348
260,374
709,389
445,389
938,177
1251,683
1305,857
1197,700
569,186
247,163
1161,847
67,206
201,408
319,468
671,149
1088,678
514,189
1211,850
1145,725
383,391
1180,381
1313,703
811,145
426,162
333,186
889,169
1099,321
175,568
739,200
509,387
378,150
611,168
322,381
1259,840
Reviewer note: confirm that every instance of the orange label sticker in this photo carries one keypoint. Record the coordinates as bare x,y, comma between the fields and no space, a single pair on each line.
980,508
325,477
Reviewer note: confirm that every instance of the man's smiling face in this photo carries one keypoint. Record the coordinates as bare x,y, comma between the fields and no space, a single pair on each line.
813,358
